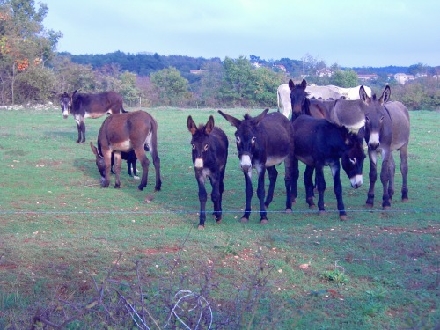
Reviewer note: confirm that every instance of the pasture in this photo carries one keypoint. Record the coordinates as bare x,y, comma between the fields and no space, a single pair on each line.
75,255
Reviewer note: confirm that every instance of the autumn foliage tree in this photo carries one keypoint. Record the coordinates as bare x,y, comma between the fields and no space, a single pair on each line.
25,47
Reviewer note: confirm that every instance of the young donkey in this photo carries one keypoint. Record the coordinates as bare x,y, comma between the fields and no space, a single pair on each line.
209,155
125,132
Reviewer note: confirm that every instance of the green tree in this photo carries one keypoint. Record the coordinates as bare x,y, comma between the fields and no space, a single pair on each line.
346,78
24,44
72,76
237,86
128,89
171,87
265,87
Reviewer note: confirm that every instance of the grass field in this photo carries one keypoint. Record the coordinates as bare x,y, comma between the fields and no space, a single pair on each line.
74,255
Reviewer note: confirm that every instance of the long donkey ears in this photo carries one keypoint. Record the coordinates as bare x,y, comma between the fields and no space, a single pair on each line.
386,95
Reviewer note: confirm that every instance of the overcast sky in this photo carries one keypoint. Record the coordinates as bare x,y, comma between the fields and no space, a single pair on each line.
348,32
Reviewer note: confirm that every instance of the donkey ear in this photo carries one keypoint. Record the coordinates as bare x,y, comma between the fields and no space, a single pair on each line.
363,95
291,84
385,95
209,125
191,125
234,121
261,116
94,149
304,83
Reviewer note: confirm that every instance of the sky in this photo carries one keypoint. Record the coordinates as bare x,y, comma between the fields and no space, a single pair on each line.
350,33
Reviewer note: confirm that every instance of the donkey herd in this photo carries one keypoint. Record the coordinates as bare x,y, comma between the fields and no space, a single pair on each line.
318,133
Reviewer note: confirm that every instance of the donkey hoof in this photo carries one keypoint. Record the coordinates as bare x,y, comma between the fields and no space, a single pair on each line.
244,220
264,221
140,188
117,186
201,227
404,200
387,207
322,212
369,205
343,217
288,211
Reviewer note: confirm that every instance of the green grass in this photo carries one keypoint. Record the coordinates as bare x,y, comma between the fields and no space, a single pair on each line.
61,234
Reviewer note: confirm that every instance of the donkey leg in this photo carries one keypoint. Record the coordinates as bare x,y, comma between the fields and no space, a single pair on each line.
145,162
319,174
272,173
308,185
249,194
404,171
336,172
216,197
294,175
156,163
373,177
384,178
261,194
203,197
392,172
117,168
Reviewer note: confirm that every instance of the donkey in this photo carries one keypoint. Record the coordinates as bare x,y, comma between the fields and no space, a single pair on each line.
387,128
124,132
209,155
84,105
317,142
262,142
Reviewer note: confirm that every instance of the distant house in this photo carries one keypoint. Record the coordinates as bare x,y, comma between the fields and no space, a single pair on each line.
403,78
367,77
197,71
256,65
324,72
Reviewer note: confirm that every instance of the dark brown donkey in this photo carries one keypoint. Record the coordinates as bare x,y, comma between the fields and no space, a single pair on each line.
209,155
387,128
123,132
262,142
85,105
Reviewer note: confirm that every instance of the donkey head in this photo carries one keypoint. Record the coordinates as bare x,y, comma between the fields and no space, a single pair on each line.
298,98
100,162
199,140
65,104
375,115
246,137
352,159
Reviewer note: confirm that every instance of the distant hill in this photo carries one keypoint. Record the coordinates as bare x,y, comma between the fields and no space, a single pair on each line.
144,64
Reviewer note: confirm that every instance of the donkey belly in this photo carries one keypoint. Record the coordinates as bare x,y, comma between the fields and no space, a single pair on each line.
121,146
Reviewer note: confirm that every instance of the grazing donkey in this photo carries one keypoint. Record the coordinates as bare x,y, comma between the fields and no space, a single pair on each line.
209,155
124,132
262,142
387,128
318,142
85,105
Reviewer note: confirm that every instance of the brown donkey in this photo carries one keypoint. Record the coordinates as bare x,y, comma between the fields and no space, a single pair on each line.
136,131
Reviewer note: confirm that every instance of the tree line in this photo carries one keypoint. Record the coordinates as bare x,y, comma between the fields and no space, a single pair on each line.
31,71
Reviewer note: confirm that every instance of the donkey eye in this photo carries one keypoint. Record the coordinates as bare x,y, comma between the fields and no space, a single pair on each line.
382,118
367,118
206,146
352,160
193,145
237,138
253,139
